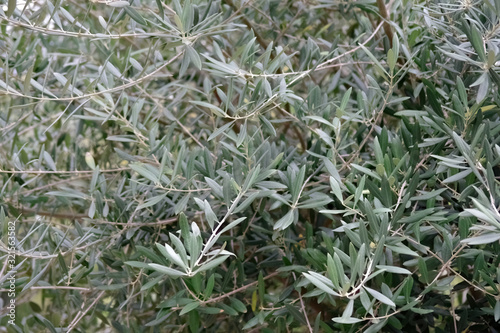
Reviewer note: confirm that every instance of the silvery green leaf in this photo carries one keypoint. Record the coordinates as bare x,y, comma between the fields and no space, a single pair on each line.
118,4
167,270
483,239
379,296
322,284
285,221
211,264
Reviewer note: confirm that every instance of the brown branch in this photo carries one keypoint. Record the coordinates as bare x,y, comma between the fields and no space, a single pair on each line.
24,210
64,215
385,16
42,172
137,224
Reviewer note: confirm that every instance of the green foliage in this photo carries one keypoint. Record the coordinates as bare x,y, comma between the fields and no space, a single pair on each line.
265,166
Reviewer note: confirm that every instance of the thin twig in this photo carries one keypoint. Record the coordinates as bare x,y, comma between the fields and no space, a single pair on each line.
60,172
303,307
53,287
80,314
240,289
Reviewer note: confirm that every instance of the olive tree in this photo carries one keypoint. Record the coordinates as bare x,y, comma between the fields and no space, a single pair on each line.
255,165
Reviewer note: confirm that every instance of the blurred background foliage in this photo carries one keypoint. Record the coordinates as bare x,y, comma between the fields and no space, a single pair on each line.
256,165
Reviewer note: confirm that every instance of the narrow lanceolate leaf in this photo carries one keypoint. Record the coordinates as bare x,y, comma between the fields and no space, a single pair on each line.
113,70
346,320
41,88
379,296
138,264
193,56
333,274
214,186
394,269
477,42
35,278
118,4
152,201
366,171
215,109
458,176
321,282
135,15
220,130
167,270
496,311
11,7
483,239
145,172
429,195
189,307
285,221
211,264
136,64
210,215
336,190
49,160
103,22
174,257
233,224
